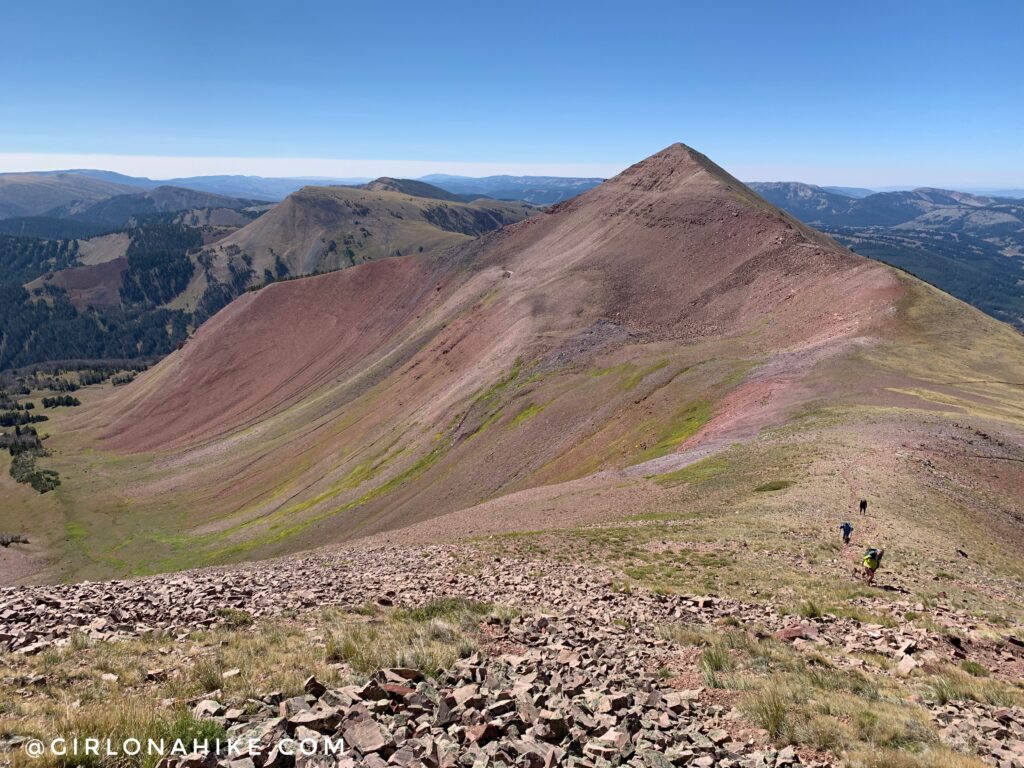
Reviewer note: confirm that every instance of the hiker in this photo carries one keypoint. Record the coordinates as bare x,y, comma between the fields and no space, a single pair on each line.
872,561
847,529
863,506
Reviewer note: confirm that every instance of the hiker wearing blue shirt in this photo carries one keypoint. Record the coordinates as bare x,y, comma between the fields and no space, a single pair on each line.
847,529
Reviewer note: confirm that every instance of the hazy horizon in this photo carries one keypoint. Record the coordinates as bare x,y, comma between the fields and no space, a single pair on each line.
157,168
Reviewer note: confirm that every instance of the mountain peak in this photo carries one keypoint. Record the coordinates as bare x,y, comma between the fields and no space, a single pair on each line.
671,169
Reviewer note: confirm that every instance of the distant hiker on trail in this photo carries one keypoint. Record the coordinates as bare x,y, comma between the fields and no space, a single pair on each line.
863,506
872,561
847,529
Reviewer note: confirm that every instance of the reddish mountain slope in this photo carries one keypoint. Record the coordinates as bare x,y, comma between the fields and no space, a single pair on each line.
652,320
672,248
94,285
266,350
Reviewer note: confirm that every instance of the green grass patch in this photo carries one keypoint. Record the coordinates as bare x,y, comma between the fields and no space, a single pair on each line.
447,609
774,485
235,617
698,472
809,610
973,668
430,638
712,663
684,424
528,413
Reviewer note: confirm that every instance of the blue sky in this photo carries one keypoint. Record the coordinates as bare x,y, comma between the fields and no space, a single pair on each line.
868,93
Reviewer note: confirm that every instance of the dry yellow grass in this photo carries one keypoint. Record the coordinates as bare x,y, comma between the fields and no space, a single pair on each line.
863,717
68,692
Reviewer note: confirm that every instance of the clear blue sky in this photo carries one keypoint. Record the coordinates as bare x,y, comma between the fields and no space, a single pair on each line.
869,93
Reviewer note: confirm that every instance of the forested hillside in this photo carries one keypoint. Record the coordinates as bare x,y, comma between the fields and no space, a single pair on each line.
25,258
162,268
48,327
42,324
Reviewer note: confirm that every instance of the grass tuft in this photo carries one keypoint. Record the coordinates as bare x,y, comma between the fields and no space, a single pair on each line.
973,668
769,708
774,485
712,662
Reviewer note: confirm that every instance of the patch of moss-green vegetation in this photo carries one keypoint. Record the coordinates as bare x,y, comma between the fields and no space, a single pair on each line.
698,472
494,392
528,413
488,405
684,424
360,474
634,377
420,466
193,551
278,531
597,373
630,374
773,485
487,423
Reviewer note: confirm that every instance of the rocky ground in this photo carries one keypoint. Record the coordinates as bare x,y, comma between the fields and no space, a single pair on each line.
997,732
577,679
573,692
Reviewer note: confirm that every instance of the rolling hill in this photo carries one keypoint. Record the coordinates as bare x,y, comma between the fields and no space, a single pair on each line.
413,187
32,194
116,212
320,229
666,341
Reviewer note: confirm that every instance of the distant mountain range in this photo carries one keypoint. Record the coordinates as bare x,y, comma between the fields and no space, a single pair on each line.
33,194
539,190
971,246
251,187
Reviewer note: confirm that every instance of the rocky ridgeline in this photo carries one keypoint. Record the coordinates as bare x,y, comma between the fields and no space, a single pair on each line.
580,693
34,618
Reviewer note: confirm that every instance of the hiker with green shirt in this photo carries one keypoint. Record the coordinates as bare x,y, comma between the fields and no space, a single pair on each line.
872,561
